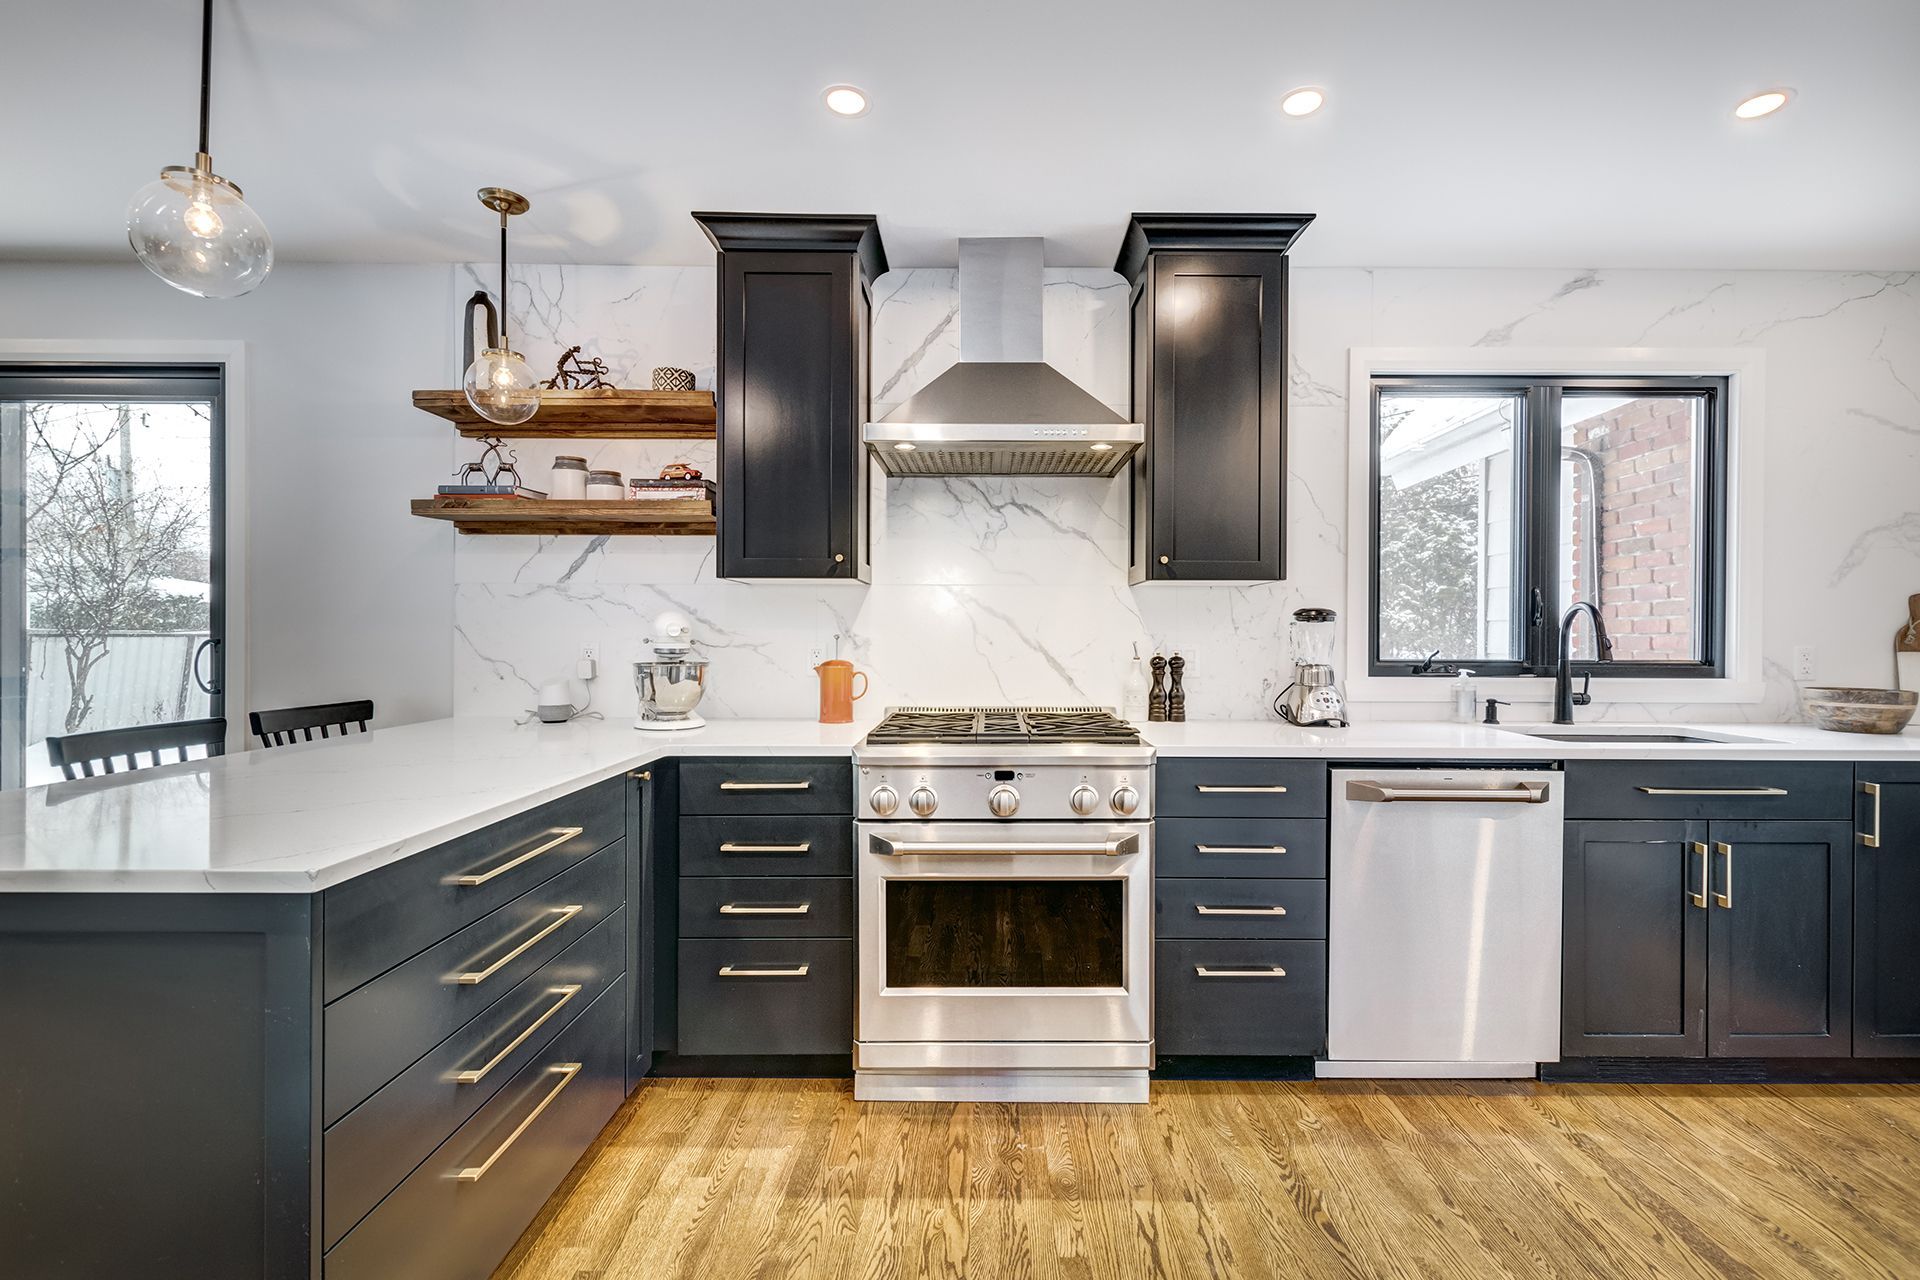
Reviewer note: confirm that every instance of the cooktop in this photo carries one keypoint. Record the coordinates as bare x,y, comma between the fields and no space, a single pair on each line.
1026,725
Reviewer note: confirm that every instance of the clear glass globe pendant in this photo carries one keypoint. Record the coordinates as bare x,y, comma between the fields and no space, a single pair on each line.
191,228
500,385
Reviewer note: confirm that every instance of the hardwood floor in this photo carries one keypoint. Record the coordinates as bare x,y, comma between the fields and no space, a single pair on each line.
720,1179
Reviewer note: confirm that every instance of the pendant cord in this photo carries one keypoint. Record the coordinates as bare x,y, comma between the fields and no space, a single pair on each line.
505,345
206,60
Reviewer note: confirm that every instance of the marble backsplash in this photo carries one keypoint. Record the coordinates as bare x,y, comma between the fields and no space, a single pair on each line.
1000,589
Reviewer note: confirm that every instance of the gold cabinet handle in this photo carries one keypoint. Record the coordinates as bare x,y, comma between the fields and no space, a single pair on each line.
1712,791
1238,911
1239,848
1271,971
839,558
1219,790
1871,839
731,785
731,847
743,909
1163,559
560,917
644,775
566,1071
1725,850
477,1074
731,971
563,835
1700,898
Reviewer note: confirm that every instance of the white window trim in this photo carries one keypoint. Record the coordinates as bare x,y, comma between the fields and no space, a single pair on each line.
231,356
1743,367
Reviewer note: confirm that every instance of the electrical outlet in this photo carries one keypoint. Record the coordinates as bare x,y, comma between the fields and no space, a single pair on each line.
590,652
1803,662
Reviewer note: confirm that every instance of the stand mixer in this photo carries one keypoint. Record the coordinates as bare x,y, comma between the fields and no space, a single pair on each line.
672,685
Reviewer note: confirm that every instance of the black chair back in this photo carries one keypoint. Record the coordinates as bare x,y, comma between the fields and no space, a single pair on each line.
296,724
76,754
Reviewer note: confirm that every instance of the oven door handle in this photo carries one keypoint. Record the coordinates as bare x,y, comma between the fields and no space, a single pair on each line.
1117,847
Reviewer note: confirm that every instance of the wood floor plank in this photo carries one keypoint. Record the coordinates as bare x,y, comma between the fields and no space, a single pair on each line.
793,1180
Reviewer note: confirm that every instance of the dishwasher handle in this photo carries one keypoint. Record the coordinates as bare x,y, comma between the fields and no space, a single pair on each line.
1381,793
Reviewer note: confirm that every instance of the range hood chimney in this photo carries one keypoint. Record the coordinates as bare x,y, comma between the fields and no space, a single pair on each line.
1002,411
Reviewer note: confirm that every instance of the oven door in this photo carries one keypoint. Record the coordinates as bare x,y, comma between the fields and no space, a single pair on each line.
1005,932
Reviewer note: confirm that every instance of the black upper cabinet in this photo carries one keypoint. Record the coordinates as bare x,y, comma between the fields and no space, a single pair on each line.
1209,329
1886,912
794,308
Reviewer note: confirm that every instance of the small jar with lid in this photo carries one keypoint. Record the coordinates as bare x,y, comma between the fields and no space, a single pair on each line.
605,486
568,481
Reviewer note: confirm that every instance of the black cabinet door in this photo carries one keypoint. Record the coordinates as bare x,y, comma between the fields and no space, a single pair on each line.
640,939
1634,977
1216,401
1780,942
792,396
1886,913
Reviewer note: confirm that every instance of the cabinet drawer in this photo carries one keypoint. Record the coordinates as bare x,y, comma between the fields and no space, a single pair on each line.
801,784
1240,847
379,1142
459,1213
1240,788
766,907
765,996
375,921
1709,789
804,845
373,1034
1253,998
1240,908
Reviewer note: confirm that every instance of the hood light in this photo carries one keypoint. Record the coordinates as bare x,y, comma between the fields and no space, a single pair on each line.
1303,102
1101,447
905,446
1763,104
845,100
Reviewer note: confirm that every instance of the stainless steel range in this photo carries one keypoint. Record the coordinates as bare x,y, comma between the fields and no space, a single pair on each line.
1006,906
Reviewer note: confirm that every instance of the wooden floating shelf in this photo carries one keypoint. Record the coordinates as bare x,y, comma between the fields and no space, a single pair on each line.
601,415
549,516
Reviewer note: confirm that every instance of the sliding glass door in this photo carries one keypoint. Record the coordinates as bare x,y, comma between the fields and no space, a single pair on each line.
112,551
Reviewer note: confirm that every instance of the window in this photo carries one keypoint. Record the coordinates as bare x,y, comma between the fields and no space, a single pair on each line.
1498,502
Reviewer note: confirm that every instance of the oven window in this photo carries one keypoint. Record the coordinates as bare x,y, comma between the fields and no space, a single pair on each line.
1006,933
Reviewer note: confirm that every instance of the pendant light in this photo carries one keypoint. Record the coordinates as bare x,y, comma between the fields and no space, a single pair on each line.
500,385
190,226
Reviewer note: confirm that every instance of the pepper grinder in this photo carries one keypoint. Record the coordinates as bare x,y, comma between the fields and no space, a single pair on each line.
1157,696
1176,696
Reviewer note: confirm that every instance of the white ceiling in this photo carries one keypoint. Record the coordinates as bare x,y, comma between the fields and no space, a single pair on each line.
1469,133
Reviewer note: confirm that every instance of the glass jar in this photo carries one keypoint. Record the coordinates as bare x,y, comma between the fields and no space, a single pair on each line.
568,481
606,486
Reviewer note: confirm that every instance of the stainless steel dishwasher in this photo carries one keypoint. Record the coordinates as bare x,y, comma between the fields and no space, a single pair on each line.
1443,931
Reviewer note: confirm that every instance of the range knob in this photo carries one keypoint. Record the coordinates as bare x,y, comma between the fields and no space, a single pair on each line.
922,801
884,800
1125,800
1084,799
1003,800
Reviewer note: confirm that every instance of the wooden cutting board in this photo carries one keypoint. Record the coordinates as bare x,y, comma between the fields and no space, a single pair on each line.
1906,647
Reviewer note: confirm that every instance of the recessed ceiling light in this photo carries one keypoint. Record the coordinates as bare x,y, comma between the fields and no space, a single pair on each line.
1303,102
1763,104
845,100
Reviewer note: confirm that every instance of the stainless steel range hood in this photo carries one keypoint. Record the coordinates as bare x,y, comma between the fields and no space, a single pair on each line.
1002,411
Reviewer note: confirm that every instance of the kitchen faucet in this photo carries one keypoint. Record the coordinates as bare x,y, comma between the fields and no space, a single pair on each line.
1564,698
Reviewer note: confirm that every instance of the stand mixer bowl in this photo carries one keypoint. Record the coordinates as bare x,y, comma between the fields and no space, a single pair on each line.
670,689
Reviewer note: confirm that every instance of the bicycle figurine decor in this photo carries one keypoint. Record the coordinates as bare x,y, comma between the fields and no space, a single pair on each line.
571,373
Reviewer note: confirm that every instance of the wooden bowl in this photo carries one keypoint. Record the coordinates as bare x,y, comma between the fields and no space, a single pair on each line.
1846,710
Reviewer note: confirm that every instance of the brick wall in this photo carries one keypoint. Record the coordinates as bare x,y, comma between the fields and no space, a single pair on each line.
1639,561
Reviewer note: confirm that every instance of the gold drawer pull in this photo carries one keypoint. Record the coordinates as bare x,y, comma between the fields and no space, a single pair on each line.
1871,839
561,916
1272,971
1725,850
566,1071
474,878
731,785
1700,898
731,847
729,971
1239,848
1238,911
1712,791
742,909
478,1074
1216,790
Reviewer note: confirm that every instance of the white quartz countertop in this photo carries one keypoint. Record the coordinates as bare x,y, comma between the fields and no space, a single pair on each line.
300,819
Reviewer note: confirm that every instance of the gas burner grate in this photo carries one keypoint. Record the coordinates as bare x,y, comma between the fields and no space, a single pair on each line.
1062,725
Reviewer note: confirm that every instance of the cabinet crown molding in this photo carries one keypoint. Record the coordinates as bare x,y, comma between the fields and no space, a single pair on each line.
1188,232
854,233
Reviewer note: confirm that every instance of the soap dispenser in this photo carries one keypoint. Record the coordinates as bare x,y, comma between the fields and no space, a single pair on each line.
1465,697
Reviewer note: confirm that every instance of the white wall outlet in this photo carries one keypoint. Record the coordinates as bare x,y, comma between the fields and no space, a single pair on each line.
589,664
1803,662
590,651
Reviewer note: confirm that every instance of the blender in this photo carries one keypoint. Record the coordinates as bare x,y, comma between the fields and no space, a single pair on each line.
1314,699
672,684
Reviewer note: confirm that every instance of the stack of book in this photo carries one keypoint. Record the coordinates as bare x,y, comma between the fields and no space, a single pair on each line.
671,491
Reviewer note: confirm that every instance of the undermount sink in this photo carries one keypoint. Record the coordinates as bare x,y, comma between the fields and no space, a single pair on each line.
1598,733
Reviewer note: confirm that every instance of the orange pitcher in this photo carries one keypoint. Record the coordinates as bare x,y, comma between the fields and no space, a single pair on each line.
836,690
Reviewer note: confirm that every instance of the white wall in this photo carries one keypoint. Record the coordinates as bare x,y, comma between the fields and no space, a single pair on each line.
346,595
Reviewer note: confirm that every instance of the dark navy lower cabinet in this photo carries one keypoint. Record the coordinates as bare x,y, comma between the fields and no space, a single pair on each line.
1886,911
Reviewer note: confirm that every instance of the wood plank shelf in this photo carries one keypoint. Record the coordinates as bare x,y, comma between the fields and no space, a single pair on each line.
607,414
550,516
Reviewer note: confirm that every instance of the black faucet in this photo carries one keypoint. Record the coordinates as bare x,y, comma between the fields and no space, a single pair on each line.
1564,698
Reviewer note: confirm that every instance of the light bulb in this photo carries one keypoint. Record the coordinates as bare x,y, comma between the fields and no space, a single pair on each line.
192,229
200,219
501,387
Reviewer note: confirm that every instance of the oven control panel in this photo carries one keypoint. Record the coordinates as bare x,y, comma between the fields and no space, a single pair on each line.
932,791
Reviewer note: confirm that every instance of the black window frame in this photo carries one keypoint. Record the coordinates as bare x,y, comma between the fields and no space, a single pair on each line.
1538,453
